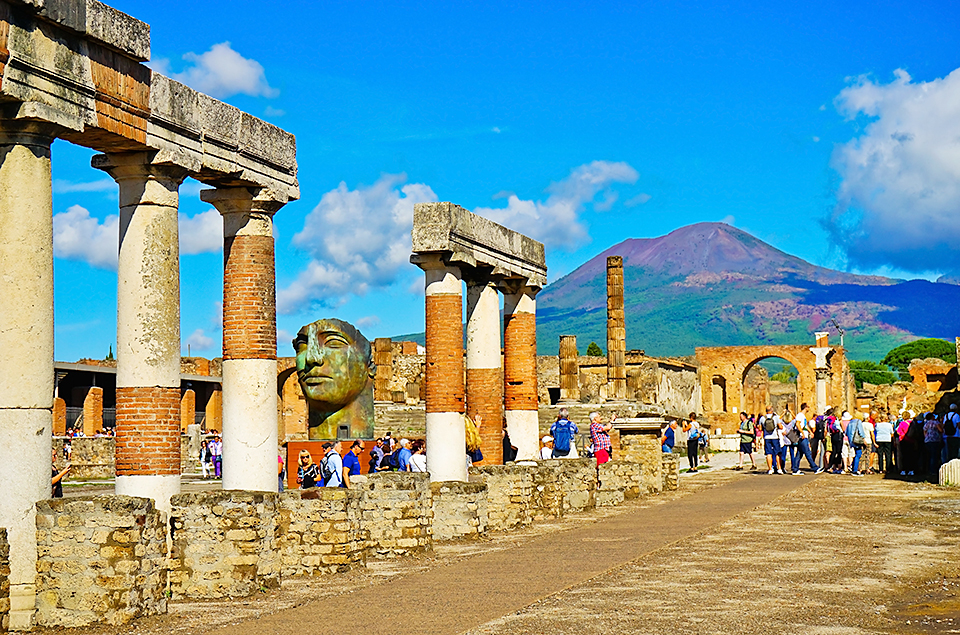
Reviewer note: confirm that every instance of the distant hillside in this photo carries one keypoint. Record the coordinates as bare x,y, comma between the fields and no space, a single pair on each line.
711,284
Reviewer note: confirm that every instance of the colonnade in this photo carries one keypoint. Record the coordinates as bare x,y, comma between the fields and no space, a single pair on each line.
148,335
498,394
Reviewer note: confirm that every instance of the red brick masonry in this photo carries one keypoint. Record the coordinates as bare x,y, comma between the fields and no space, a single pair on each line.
148,431
444,370
249,298
520,361
485,396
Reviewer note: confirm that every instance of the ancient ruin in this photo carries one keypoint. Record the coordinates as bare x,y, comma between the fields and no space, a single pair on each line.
74,70
452,245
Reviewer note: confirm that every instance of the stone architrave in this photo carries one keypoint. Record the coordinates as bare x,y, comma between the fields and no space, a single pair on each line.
26,348
569,370
484,373
148,326
249,336
616,331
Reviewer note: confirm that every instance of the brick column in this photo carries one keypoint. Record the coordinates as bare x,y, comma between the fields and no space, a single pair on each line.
148,326
616,332
26,348
520,369
383,358
93,411
569,370
188,409
249,337
484,375
446,442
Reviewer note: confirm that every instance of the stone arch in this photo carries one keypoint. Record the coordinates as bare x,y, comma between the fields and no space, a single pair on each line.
727,366
795,402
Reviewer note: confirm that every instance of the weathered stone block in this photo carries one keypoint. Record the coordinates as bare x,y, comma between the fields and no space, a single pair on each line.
459,510
391,496
950,473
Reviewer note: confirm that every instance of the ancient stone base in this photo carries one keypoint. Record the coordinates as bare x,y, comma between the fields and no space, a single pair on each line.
950,473
319,531
101,559
397,511
619,481
671,471
645,450
510,490
223,544
459,510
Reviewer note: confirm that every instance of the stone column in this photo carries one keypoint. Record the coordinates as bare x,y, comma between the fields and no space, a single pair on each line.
26,348
93,411
148,326
188,410
446,449
616,331
520,369
569,370
249,337
823,378
383,358
484,375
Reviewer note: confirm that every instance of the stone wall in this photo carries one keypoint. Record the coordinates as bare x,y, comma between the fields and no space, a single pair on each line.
319,531
100,559
91,458
4,581
578,480
510,493
644,449
619,481
459,510
224,544
397,511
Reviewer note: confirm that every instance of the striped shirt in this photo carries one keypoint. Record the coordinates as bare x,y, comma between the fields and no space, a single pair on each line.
599,437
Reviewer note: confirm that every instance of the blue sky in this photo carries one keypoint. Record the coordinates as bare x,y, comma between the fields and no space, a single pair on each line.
827,129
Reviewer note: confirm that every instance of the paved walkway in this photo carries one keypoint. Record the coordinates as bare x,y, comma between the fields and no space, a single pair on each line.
455,597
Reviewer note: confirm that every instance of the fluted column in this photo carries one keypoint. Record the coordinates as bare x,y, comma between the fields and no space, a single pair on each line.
446,442
520,368
26,348
484,374
616,331
569,370
148,326
249,337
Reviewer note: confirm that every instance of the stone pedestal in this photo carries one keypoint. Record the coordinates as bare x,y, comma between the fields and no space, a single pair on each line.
249,337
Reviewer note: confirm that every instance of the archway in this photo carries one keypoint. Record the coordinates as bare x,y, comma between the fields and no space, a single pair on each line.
770,381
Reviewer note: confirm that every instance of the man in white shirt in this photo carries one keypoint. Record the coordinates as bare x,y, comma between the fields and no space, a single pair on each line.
883,434
771,426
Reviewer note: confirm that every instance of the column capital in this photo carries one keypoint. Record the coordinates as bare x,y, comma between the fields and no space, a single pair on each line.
516,286
433,261
246,211
145,177
823,373
28,132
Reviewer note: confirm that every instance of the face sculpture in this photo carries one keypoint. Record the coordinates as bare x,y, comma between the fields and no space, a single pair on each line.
335,369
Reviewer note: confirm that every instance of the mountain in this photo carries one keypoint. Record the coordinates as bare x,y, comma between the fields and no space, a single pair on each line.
711,284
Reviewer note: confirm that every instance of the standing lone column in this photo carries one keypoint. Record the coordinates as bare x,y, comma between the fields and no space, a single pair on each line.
569,370
520,369
446,449
148,326
616,331
26,349
249,337
484,375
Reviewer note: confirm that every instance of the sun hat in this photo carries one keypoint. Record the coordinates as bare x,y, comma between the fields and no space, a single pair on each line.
546,439
847,416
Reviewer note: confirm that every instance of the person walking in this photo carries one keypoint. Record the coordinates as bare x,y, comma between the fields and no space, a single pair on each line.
206,459
807,430
747,436
771,441
308,472
216,449
856,437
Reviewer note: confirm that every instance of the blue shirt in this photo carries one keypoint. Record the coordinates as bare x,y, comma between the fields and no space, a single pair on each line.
669,437
351,462
404,459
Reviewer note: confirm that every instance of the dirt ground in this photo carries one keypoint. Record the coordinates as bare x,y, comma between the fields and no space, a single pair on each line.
731,552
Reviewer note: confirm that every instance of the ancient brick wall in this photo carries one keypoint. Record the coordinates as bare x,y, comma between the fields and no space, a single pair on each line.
319,531
249,318
224,544
510,494
397,511
459,510
148,431
619,481
101,559
4,581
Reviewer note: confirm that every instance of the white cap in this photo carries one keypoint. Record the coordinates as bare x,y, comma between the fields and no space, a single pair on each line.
847,416
547,439
404,442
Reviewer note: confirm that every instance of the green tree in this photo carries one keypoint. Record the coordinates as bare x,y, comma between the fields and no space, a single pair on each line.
899,358
109,356
787,375
871,373
594,350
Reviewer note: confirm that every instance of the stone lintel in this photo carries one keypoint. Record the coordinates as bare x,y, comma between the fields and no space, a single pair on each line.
97,21
463,238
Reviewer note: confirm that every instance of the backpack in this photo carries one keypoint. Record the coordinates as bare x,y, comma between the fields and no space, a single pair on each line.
325,470
562,435
949,425
820,427
693,433
856,437
769,425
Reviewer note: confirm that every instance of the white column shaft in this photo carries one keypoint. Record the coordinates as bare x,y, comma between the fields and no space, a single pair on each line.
523,426
483,326
446,440
250,424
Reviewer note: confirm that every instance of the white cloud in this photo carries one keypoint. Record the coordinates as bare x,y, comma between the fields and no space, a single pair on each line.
368,320
639,199
202,233
729,219
222,72
556,221
61,186
898,203
200,341
357,239
79,236
270,111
